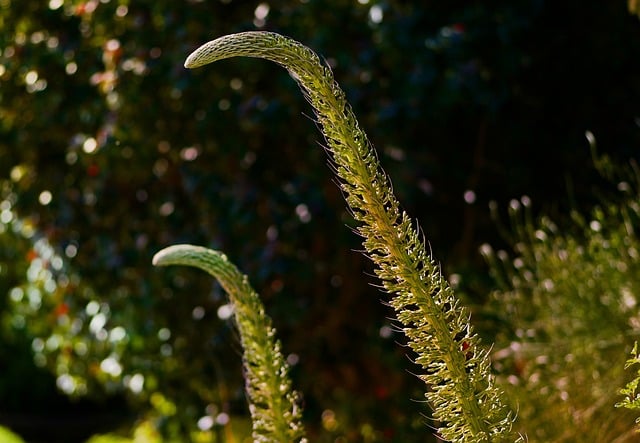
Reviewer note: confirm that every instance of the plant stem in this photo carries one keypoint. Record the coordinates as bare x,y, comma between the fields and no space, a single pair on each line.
457,372
273,404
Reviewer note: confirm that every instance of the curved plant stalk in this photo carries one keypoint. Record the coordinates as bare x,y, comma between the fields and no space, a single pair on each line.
273,404
467,405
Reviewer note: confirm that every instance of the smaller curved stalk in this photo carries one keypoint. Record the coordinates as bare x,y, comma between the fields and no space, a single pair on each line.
273,404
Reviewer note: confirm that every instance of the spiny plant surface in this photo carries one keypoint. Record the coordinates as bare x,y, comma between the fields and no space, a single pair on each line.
467,406
273,404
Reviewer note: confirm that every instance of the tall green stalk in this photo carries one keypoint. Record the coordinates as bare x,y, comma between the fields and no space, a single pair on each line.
466,404
273,404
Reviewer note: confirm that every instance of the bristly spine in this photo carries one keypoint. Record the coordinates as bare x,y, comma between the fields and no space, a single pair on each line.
460,388
273,404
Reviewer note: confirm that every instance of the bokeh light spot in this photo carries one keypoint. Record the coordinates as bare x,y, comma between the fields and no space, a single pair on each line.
293,359
198,313
166,209
164,334
136,383
117,334
302,211
205,423
222,419
386,331
261,12
122,10
376,14
45,198
66,384
225,311
71,250
111,366
189,154
92,308
90,145
31,77
469,196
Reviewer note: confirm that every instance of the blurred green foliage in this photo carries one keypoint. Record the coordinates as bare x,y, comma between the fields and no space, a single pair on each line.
566,314
110,150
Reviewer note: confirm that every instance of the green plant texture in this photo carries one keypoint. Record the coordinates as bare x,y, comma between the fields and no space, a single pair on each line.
466,404
630,391
274,406
566,311
110,151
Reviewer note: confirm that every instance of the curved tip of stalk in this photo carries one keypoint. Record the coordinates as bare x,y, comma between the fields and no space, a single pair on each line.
190,62
171,254
249,43
207,53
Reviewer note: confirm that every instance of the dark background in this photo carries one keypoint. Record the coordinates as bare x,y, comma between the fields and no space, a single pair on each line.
491,97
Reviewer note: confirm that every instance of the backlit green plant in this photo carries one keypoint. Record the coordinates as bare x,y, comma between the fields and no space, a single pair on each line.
273,404
630,391
567,307
466,404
